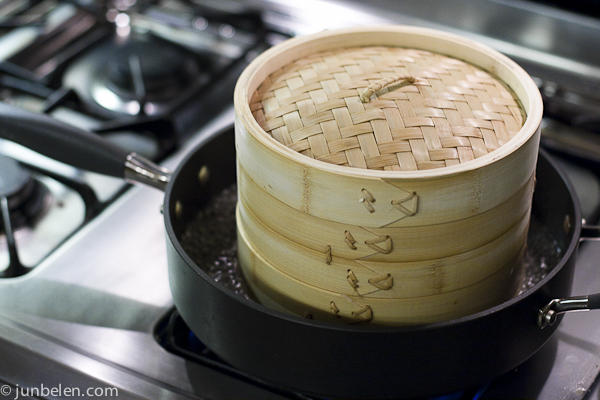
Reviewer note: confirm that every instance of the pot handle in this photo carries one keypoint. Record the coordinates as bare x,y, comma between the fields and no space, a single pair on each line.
547,315
76,147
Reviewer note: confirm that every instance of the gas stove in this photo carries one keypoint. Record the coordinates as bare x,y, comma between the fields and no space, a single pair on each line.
144,76
85,305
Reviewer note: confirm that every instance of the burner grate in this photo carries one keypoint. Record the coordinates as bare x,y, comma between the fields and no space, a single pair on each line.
173,334
39,214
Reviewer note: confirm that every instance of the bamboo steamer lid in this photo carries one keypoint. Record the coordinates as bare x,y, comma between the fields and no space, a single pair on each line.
387,108
363,196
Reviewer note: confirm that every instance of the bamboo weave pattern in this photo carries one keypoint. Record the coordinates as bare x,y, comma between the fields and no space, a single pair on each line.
445,112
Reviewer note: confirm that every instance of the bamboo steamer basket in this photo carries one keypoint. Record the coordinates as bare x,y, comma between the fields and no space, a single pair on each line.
364,277
438,182
409,243
280,291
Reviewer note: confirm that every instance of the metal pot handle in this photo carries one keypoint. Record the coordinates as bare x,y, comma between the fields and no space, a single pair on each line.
547,315
78,148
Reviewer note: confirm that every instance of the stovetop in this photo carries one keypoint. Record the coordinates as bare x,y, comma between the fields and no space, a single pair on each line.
92,311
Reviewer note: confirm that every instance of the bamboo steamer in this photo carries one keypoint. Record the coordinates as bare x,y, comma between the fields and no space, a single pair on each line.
398,153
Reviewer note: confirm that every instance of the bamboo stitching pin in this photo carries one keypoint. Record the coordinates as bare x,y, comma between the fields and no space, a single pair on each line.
364,314
349,239
383,282
410,209
328,256
352,279
367,199
373,244
335,310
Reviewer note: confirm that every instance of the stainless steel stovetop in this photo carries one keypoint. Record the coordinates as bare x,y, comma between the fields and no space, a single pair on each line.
86,315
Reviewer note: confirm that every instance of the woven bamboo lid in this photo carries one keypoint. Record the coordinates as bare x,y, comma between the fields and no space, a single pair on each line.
387,108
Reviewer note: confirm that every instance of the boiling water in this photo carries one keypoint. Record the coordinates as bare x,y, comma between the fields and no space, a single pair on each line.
210,240
542,254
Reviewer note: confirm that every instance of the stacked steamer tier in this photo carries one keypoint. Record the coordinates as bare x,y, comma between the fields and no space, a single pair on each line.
385,175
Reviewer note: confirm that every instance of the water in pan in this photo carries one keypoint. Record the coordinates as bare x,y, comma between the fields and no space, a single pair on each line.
210,240
541,256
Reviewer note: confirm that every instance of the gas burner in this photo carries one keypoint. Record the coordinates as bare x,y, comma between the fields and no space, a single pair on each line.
139,77
39,209
148,72
25,197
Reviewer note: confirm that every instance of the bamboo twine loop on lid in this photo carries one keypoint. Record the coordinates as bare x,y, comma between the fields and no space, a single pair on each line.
387,108
373,88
